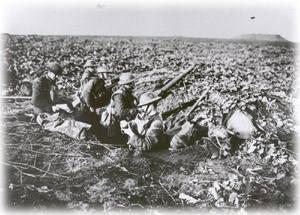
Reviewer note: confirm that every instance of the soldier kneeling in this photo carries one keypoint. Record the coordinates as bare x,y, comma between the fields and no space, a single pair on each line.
146,131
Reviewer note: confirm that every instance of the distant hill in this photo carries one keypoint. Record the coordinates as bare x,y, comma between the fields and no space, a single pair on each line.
262,38
272,38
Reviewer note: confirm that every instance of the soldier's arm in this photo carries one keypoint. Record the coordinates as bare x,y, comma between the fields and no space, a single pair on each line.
121,111
183,137
35,88
150,139
87,94
52,94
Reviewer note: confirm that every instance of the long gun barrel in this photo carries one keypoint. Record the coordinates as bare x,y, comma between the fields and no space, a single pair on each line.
163,91
15,97
197,103
178,123
180,107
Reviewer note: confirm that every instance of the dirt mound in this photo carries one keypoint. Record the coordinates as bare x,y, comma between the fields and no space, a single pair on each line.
262,37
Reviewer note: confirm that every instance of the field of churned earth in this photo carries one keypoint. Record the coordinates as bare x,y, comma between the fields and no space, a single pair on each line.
50,170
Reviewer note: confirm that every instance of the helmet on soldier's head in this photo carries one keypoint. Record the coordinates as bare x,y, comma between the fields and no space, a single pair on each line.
102,69
55,68
126,78
90,63
148,98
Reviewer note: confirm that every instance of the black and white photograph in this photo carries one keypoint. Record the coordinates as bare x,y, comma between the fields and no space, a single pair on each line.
149,106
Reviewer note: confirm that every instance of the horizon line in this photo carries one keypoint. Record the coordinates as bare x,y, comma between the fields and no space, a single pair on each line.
157,36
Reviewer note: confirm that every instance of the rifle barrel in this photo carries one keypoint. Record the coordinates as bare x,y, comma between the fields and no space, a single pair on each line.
197,102
15,97
170,84
180,107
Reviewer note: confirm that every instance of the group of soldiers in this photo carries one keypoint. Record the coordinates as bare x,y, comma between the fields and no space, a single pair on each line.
113,111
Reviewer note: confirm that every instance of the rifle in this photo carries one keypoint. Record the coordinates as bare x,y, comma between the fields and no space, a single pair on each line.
180,107
163,92
16,97
195,103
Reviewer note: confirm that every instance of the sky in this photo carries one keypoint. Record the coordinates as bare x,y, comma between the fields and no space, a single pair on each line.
209,19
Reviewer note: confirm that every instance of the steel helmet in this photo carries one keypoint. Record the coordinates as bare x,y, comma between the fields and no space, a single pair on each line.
148,98
102,69
126,78
55,68
90,63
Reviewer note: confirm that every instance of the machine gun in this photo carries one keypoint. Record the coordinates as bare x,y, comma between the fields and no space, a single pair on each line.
164,91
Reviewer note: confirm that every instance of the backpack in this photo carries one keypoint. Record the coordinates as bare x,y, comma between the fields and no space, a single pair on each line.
108,118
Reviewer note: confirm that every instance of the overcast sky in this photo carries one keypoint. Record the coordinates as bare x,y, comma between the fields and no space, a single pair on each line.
150,18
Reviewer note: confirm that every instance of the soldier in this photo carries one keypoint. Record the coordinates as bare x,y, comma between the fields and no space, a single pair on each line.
110,82
92,97
240,126
43,89
124,100
94,94
186,134
122,107
102,72
226,138
89,72
146,131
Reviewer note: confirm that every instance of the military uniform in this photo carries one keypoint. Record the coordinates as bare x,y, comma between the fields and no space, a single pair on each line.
236,128
43,89
41,94
151,136
124,104
86,76
122,107
93,97
146,131
89,72
186,135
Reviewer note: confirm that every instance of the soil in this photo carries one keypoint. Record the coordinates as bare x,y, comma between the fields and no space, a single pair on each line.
50,170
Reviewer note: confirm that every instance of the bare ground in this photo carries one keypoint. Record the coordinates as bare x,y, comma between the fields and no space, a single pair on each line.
50,170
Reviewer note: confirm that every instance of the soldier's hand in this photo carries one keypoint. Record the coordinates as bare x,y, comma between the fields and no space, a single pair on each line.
128,131
92,109
126,128
55,108
123,124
